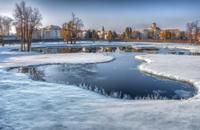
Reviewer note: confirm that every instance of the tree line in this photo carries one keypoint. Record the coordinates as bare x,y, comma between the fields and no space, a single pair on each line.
27,19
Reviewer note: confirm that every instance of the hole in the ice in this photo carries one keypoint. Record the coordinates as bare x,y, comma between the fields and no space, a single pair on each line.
119,78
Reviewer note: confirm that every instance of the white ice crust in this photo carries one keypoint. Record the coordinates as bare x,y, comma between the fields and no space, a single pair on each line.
179,67
69,58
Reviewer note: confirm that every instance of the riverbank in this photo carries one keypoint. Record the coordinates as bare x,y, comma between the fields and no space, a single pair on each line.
178,67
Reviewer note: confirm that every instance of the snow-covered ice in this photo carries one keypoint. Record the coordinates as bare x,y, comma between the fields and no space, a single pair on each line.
31,105
179,67
70,58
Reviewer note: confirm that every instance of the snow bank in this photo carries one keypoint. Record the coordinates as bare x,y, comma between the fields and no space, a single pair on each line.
187,46
183,68
71,58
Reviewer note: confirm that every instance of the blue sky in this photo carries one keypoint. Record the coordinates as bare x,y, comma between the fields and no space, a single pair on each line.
114,14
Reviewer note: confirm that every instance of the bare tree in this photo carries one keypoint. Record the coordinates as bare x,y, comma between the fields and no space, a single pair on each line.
78,24
26,20
189,31
1,30
67,33
71,29
193,31
5,27
196,30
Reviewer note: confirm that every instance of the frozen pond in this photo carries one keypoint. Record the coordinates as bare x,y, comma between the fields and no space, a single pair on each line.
28,104
119,78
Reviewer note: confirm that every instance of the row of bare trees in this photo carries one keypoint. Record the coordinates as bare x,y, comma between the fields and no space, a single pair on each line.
26,20
71,29
5,27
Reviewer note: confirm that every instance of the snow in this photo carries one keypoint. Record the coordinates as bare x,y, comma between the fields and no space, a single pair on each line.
70,58
179,67
31,105
187,46
11,57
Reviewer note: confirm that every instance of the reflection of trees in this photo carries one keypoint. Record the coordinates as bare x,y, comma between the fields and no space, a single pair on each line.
77,69
96,49
139,49
69,50
33,72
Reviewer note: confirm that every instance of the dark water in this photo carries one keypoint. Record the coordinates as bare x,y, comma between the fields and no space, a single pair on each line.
94,49
119,78
106,48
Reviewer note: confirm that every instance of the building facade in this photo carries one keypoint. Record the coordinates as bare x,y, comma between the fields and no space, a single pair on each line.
51,32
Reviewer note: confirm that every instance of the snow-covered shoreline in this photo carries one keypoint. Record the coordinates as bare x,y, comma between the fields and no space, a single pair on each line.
68,58
179,67
11,57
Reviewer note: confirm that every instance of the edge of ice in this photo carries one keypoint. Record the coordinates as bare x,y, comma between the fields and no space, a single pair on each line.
148,67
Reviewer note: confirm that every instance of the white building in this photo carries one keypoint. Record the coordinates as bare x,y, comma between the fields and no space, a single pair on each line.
101,34
145,34
37,34
51,32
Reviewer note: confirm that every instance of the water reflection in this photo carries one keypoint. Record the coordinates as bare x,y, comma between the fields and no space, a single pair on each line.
95,49
32,72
